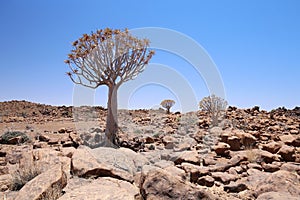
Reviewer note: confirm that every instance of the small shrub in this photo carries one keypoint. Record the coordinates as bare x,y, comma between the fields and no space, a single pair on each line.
252,156
28,127
24,114
137,131
156,135
23,175
6,137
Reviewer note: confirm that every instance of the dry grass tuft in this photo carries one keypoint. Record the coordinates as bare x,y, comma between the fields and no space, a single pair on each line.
252,156
23,175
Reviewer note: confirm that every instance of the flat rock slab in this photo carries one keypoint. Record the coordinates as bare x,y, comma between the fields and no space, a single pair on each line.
122,159
104,188
84,164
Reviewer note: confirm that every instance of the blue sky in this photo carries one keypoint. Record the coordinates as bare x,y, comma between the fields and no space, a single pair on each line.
255,45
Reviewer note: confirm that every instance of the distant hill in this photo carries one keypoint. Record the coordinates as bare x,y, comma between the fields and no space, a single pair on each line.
27,109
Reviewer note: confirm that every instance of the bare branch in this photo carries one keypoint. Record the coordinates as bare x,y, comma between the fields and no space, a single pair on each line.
108,56
213,105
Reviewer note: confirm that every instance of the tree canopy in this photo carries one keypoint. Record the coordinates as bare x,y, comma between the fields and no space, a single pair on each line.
107,57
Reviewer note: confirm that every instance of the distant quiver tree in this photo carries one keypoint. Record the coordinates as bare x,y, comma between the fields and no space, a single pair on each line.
167,104
108,57
214,106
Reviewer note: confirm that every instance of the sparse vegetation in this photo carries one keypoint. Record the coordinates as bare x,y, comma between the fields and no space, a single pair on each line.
252,156
156,135
28,127
167,104
23,175
108,57
214,106
138,131
9,135
24,114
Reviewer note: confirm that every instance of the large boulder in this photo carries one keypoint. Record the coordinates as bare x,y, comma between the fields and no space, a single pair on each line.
270,167
46,158
234,143
254,178
290,140
287,153
169,141
291,167
247,139
85,164
103,188
43,184
159,184
123,158
222,149
272,147
280,181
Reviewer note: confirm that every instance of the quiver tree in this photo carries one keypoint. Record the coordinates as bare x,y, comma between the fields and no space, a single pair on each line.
167,104
108,57
214,106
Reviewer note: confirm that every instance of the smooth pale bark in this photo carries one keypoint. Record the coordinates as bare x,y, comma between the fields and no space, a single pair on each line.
215,119
112,118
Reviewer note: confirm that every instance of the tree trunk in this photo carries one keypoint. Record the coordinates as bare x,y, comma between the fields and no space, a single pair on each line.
168,110
112,118
215,120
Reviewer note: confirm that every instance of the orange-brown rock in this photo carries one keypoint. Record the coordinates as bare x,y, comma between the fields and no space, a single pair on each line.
43,183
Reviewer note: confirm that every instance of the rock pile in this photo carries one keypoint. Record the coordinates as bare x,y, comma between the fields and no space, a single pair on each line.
253,154
23,111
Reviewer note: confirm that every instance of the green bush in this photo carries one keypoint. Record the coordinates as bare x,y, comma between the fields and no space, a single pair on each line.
6,137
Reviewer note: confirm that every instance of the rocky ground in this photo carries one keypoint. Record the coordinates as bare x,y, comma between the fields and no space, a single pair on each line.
50,152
